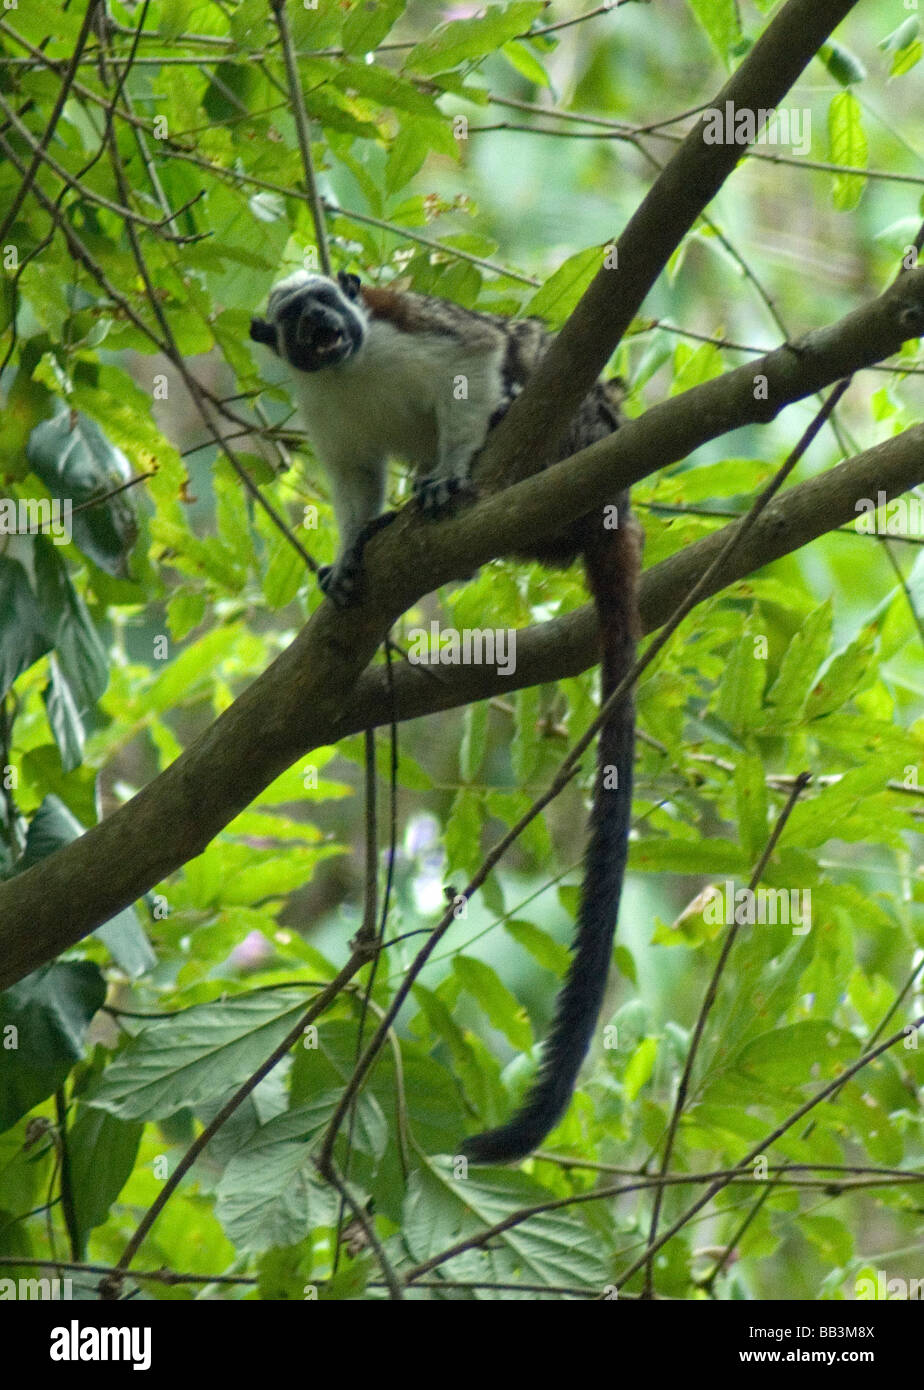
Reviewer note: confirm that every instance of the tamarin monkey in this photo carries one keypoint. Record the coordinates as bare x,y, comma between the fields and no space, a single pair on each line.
374,371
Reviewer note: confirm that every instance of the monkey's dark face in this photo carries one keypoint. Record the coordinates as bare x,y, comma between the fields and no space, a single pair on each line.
313,322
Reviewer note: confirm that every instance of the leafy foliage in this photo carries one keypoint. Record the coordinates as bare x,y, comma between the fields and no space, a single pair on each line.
121,640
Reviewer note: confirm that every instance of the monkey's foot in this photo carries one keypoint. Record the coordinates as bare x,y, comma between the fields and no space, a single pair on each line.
340,581
434,494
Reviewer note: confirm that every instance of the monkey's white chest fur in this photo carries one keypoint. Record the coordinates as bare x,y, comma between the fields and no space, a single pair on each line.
423,398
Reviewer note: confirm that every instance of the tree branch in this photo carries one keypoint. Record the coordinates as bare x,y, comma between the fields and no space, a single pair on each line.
686,186
314,694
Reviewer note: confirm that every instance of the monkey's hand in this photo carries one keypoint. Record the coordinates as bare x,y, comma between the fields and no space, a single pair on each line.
434,494
340,581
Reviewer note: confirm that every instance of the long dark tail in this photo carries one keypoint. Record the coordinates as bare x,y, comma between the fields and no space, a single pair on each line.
611,561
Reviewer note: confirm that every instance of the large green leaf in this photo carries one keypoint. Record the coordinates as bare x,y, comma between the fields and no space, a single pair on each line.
501,1008
270,1193
196,1054
463,40
23,634
368,22
43,1022
554,1248
102,1152
80,652
77,463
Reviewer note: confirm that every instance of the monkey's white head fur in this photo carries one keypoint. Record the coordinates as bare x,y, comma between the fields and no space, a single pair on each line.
313,321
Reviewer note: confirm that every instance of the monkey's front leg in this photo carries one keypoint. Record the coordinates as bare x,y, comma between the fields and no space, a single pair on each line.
340,581
358,496
461,428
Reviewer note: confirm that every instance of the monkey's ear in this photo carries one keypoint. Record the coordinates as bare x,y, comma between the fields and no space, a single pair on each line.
350,284
263,332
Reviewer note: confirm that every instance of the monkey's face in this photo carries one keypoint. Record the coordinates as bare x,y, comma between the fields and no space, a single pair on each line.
313,322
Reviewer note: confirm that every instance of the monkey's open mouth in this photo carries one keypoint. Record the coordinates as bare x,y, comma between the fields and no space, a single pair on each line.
328,341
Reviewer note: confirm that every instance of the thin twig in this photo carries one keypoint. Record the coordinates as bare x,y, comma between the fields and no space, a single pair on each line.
19,197
303,131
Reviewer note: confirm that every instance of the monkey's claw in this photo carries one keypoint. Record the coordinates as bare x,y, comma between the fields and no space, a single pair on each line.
434,494
340,582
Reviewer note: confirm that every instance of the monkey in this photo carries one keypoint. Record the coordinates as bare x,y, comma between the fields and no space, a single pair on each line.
374,373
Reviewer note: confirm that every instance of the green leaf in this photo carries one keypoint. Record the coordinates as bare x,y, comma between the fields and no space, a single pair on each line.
558,296
408,151
387,88
463,831
270,1192
79,649
23,635
76,462
693,368
192,672
185,611
743,681
704,856
872,997
102,1154
284,1272
730,478
63,718
195,1054
552,1248
463,40
502,1009
815,822
41,769
830,1236
906,59
524,61
847,145
720,22
801,661
545,949
640,1067
846,671
526,747
786,1056
43,1022
368,22
284,574
843,65
474,731
751,803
